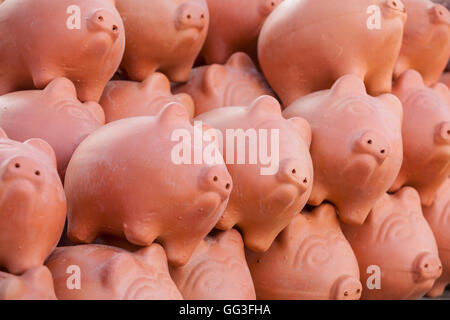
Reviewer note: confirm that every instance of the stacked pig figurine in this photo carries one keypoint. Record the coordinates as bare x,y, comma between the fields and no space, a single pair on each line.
224,149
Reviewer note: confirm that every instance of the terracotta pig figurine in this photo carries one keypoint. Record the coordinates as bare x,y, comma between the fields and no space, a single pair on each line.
356,147
438,217
426,135
97,272
126,99
310,260
81,40
237,83
426,44
128,180
32,205
217,270
306,45
235,26
269,190
396,250
54,115
163,35
35,284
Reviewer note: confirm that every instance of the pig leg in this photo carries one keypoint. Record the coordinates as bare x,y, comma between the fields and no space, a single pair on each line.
438,289
399,182
88,91
318,195
378,83
80,230
179,251
141,233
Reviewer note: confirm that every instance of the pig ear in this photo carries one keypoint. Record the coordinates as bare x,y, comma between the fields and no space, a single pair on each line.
173,112
409,196
348,84
188,102
231,238
153,253
3,134
326,213
157,82
443,91
214,75
409,79
439,14
240,60
11,287
40,276
115,269
44,147
61,86
263,106
96,111
303,128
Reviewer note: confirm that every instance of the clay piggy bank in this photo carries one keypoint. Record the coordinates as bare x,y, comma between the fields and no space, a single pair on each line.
235,26
426,44
438,217
216,271
396,250
237,83
32,205
322,40
163,35
356,147
97,272
126,99
129,180
426,135
54,115
269,190
310,260
82,40
34,284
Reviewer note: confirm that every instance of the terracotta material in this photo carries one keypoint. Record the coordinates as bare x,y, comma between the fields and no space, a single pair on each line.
311,259
54,115
262,205
356,147
445,79
108,273
237,83
34,284
397,239
438,217
306,45
235,26
122,181
126,99
163,35
88,53
426,44
32,205
426,135
217,270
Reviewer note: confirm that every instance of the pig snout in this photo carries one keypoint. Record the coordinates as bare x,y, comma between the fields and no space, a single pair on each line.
218,180
374,144
294,172
443,133
427,267
347,288
396,5
22,168
269,5
190,15
440,14
104,21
